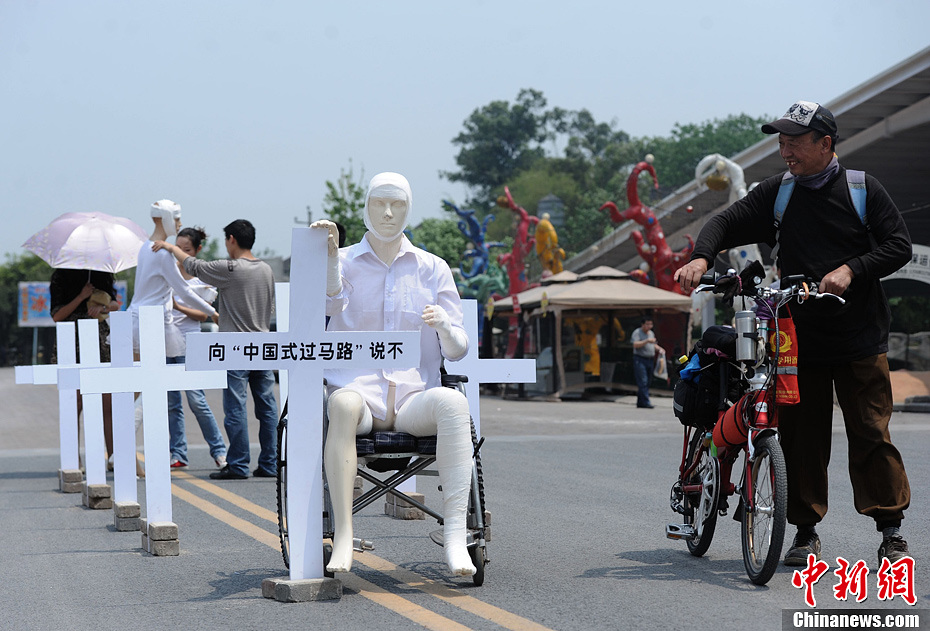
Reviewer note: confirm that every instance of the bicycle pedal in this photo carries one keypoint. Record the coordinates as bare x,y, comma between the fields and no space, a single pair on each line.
685,532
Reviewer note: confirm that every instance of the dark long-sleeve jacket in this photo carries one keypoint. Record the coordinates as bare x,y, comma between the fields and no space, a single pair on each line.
821,231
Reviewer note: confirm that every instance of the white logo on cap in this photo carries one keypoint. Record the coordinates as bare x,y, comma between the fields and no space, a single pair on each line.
801,112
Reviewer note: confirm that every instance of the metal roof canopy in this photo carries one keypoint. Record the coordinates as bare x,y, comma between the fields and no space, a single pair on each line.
884,127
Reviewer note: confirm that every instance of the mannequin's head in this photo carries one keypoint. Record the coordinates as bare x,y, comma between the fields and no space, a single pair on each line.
169,213
387,206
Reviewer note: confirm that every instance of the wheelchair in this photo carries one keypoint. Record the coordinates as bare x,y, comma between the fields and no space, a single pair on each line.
406,456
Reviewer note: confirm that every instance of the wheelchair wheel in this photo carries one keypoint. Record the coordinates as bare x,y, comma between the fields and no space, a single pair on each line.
701,509
478,552
282,491
763,528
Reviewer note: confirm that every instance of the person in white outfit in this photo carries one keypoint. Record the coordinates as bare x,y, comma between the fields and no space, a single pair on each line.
158,279
185,319
384,283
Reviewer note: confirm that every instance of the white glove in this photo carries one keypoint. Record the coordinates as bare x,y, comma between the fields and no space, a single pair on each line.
453,340
333,270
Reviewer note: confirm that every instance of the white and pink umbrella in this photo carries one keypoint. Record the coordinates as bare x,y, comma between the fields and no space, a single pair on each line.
91,241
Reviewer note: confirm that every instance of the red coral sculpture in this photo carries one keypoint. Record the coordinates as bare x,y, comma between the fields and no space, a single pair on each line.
652,247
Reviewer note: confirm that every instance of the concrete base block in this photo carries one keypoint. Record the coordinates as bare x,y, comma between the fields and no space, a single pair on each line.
157,538
288,591
70,480
126,516
402,509
487,525
98,496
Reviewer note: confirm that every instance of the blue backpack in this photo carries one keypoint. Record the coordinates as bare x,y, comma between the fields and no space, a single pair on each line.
855,180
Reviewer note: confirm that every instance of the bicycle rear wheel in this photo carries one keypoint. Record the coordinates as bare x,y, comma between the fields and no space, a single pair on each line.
701,509
763,528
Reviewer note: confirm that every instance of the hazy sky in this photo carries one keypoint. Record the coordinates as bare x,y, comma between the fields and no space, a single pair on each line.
244,109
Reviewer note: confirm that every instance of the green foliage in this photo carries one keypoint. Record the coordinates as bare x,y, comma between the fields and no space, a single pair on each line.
441,237
506,144
910,314
211,250
499,140
344,203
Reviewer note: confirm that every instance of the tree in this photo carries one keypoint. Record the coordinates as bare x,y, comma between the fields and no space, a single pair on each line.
500,140
345,203
441,237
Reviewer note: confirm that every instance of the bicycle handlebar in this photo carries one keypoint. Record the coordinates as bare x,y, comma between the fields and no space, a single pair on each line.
747,284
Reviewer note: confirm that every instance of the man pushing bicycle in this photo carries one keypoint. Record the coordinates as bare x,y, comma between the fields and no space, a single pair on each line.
841,227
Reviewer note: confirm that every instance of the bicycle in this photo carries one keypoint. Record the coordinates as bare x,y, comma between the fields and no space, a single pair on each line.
746,372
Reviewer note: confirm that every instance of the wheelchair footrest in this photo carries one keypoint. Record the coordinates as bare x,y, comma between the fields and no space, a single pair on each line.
685,532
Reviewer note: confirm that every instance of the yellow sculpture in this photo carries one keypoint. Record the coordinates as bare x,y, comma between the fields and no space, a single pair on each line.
547,246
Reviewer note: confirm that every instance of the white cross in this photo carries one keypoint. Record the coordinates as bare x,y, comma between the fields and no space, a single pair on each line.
485,370
46,374
154,379
305,351
125,488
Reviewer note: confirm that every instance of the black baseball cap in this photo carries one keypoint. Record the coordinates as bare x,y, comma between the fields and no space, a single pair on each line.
802,117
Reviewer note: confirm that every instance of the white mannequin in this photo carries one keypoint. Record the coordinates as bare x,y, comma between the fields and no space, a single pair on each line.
420,410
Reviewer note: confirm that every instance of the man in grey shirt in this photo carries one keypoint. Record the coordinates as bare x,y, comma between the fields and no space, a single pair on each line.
644,359
246,302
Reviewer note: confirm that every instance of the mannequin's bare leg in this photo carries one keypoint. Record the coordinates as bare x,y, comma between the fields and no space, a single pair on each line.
445,411
346,409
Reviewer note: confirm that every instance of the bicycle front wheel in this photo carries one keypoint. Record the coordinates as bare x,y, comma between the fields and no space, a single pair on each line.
282,492
763,526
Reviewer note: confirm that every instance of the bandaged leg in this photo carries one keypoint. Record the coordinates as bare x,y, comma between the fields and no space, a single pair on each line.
444,411
348,415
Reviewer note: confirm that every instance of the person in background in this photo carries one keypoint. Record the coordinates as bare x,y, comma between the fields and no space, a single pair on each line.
644,361
187,318
77,294
246,301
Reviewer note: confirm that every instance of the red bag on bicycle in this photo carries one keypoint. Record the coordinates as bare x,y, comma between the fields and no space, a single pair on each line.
786,376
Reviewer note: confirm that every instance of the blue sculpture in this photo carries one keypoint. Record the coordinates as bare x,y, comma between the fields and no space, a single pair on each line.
480,254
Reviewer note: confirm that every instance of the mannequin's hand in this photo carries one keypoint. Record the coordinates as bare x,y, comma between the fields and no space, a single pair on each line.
437,318
332,242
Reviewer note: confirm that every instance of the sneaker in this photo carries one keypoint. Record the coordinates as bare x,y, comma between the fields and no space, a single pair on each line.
805,542
176,463
261,473
220,461
893,548
227,474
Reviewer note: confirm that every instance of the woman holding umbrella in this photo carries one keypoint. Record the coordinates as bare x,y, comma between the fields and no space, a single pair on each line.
78,294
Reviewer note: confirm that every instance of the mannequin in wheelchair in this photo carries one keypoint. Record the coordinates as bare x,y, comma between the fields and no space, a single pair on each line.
384,283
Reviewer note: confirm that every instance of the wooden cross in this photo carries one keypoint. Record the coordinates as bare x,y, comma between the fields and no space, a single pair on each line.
305,351
154,379
485,370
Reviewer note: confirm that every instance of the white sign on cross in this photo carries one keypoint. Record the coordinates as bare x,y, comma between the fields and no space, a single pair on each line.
305,351
485,370
46,374
154,379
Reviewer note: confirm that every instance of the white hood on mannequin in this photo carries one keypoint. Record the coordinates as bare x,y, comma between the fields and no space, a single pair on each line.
168,211
394,181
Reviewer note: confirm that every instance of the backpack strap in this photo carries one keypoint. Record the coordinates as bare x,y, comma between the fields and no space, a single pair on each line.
781,203
855,181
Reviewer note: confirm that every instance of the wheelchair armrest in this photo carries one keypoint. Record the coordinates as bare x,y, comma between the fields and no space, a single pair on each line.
450,381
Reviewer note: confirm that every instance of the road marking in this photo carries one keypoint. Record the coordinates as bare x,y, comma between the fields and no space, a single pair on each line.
395,603
369,590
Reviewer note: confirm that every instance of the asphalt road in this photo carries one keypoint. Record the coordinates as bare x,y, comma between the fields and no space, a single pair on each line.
578,493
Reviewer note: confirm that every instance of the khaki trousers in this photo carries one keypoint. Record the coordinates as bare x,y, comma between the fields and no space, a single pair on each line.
863,389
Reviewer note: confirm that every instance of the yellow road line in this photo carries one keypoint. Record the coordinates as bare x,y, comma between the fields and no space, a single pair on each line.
447,594
397,604
232,498
467,603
